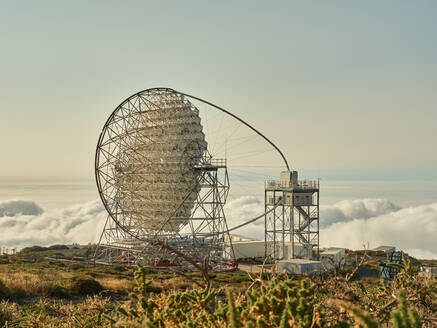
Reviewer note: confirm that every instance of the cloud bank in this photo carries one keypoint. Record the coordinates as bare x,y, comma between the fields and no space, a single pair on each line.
357,223
25,224
349,223
19,207
348,210
412,229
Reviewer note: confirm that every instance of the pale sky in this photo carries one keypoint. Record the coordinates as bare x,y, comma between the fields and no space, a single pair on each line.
345,88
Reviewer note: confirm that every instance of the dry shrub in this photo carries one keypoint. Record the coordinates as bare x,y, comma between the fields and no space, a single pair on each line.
4,291
85,286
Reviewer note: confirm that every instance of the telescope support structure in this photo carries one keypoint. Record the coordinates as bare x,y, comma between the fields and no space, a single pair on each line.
204,235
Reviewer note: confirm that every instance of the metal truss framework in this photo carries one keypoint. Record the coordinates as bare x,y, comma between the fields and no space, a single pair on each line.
292,219
158,181
204,235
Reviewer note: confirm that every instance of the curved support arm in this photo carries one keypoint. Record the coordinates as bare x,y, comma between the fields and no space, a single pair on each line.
242,121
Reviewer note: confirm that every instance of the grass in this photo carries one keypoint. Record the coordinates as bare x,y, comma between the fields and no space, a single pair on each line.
39,279
38,292
46,278
56,313
117,285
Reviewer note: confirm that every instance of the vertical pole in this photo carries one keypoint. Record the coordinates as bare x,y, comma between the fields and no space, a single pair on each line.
274,224
265,223
318,222
214,203
225,190
293,251
310,248
283,225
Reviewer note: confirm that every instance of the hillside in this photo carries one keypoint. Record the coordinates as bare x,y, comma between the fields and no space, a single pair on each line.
41,292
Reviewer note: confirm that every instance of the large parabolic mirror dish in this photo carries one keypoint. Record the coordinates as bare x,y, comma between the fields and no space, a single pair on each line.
147,162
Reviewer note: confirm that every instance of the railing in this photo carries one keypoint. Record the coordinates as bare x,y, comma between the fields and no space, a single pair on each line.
276,184
218,161
308,184
302,184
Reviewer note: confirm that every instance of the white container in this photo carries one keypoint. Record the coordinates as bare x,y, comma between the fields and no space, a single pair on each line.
299,266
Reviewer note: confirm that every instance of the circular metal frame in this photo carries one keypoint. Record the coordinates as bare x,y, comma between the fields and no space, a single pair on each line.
142,173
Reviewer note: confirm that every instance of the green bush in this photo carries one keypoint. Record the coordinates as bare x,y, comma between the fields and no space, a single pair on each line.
58,246
59,264
4,291
85,286
118,268
33,249
59,291
75,266
18,293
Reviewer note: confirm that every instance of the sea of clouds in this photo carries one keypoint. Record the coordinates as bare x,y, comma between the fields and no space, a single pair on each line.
24,223
354,224
358,224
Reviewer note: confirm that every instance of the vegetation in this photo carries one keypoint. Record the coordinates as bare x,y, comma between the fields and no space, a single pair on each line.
4,291
85,286
49,293
284,301
58,246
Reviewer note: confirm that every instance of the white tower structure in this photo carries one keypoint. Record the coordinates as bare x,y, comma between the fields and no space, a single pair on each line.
292,218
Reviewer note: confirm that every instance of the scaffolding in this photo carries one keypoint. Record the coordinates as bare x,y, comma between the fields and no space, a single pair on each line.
292,218
203,235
